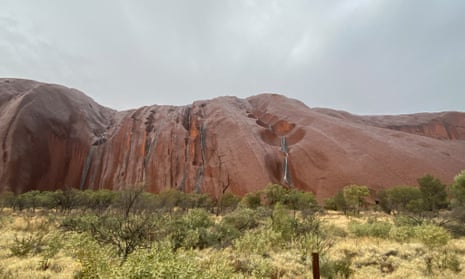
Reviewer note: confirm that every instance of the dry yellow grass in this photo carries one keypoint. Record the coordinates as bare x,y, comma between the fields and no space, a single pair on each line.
17,226
384,258
370,257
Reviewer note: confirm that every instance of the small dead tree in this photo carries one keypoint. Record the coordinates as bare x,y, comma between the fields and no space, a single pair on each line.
128,230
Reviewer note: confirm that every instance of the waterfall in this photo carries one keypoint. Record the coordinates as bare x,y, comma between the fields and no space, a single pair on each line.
284,147
285,150
86,167
203,148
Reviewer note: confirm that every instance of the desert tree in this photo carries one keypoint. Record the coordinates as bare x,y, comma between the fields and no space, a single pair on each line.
400,199
354,196
433,193
458,189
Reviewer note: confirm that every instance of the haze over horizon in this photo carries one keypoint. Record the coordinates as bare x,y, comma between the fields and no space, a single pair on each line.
365,57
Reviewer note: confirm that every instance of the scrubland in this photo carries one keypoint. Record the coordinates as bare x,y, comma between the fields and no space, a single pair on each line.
173,235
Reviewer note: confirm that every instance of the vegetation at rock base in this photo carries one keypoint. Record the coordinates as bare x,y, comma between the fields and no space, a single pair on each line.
268,234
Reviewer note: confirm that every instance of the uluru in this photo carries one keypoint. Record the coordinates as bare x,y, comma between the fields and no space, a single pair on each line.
54,137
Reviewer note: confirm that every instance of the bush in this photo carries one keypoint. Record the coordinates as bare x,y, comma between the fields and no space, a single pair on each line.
161,261
299,200
402,233
292,198
194,200
275,193
241,219
30,244
403,220
446,259
170,198
457,229
400,199
330,204
100,199
333,231
458,189
125,234
333,269
193,230
228,202
252,200
7,199
223,235
432,236
79,223
260,242
373,229
308,224
433,193
283,223
354,196
97,261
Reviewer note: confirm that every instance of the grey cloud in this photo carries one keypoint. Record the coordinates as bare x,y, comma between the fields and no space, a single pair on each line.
386,56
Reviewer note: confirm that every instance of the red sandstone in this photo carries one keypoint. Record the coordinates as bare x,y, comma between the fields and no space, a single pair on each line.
55,137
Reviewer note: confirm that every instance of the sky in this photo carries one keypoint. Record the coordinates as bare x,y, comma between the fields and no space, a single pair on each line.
361,56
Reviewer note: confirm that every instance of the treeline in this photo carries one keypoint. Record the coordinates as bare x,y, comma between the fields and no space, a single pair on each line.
430,196
101,200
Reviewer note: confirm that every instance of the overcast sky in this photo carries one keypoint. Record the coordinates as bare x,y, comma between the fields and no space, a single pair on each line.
365,57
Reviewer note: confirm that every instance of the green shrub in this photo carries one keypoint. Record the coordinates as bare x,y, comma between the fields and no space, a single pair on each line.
78,223
223,234
228,202
32,240
241,219
262,268
333,269
169,198
275,193
434,195
354,196
193,230
160,262
32,243
399,199
307,224
446,259
260,241
330,204
432,235
100,199
194,200
292,198
283,223
7,199
373,229
402,234
252,200
300,200
124,234
331,230
458,189
403,220
97,261
457,229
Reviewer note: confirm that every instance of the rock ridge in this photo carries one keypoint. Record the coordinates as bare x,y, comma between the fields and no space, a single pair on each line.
55,137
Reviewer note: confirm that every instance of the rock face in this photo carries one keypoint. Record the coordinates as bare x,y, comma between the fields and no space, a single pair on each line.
54,137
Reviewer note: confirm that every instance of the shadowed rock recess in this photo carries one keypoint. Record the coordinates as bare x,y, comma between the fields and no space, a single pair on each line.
54,137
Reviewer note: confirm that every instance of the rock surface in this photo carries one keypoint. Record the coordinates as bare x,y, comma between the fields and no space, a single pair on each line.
55,137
